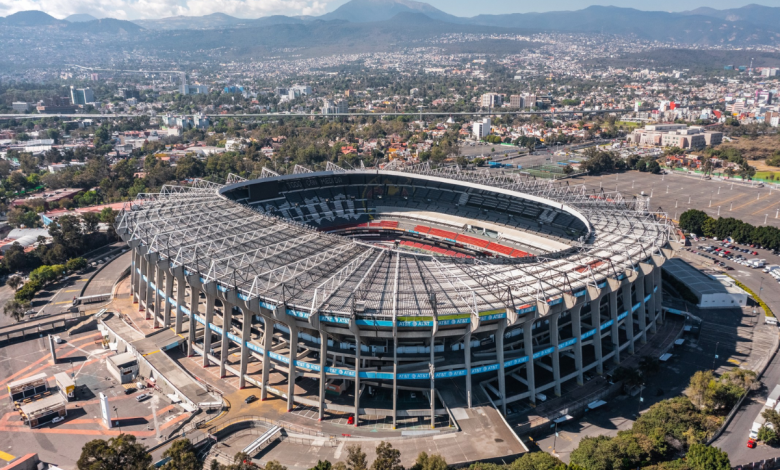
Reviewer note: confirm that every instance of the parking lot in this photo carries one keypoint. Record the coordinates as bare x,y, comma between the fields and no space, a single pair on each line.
676,193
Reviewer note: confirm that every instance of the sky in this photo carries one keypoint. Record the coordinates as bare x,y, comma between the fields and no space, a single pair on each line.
140,9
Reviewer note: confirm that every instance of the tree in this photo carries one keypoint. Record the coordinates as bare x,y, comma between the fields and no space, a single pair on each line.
274,465
429,462
567,170
767,435
693,220
43,274
535,461
704,457
76,264
15,309
356,458
387,458
772,417
91,221
699,387
183,456
28,291
118,453
326,465
14,258
14,282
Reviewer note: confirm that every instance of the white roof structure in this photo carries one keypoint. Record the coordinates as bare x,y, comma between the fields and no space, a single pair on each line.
264,252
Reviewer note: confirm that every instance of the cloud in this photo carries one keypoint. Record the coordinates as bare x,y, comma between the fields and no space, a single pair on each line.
155,9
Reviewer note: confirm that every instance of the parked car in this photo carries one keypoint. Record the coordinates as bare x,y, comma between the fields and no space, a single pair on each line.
751,443
58,419
142,397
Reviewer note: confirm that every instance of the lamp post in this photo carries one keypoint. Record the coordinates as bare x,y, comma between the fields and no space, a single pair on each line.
639,409
716,355
116,412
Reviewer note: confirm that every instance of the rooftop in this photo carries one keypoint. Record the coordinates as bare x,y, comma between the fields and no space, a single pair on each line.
698,282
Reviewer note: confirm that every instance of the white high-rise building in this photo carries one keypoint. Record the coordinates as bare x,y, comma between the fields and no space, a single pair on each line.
482,128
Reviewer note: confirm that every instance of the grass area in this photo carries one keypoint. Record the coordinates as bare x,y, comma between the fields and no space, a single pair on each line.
768,175
629,125
767,310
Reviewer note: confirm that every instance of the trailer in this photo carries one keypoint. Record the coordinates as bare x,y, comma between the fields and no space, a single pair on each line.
771,401
91,299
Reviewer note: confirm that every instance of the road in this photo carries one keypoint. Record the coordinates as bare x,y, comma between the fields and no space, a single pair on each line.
734,438
266,115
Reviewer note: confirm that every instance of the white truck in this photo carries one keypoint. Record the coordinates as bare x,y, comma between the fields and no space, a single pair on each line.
771,267
773,398
758,424
756,263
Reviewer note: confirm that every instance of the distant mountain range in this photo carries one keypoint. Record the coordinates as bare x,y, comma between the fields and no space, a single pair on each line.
749,25
75,23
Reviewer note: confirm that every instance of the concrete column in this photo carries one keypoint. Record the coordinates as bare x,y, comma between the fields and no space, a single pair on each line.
395,381
268,336
293,373
576,328
640,298
556,355
432,370
595,323
142,283
133,274
166,301
658,295
613,314
180,292
501,370
323,376
357,379
194,305
246,327
528,345
227,319
629,320
151,272
650,308
467,358
158,286
207,331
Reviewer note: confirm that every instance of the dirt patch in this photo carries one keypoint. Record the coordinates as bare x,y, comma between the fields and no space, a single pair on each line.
754,149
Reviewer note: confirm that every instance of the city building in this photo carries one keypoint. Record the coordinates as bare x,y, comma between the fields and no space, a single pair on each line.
296,91
482,128
711,291
491,100
81,96
675,135
124,367
127,93
200,121
233,89
20,106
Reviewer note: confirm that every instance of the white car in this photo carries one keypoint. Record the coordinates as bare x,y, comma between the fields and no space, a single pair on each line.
58,419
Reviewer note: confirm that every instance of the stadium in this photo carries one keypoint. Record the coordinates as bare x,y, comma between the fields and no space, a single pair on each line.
390,292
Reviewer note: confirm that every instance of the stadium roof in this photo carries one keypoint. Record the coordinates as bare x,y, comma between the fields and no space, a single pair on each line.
283,261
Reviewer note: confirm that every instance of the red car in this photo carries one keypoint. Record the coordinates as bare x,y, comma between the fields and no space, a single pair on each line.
751,443
755,253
